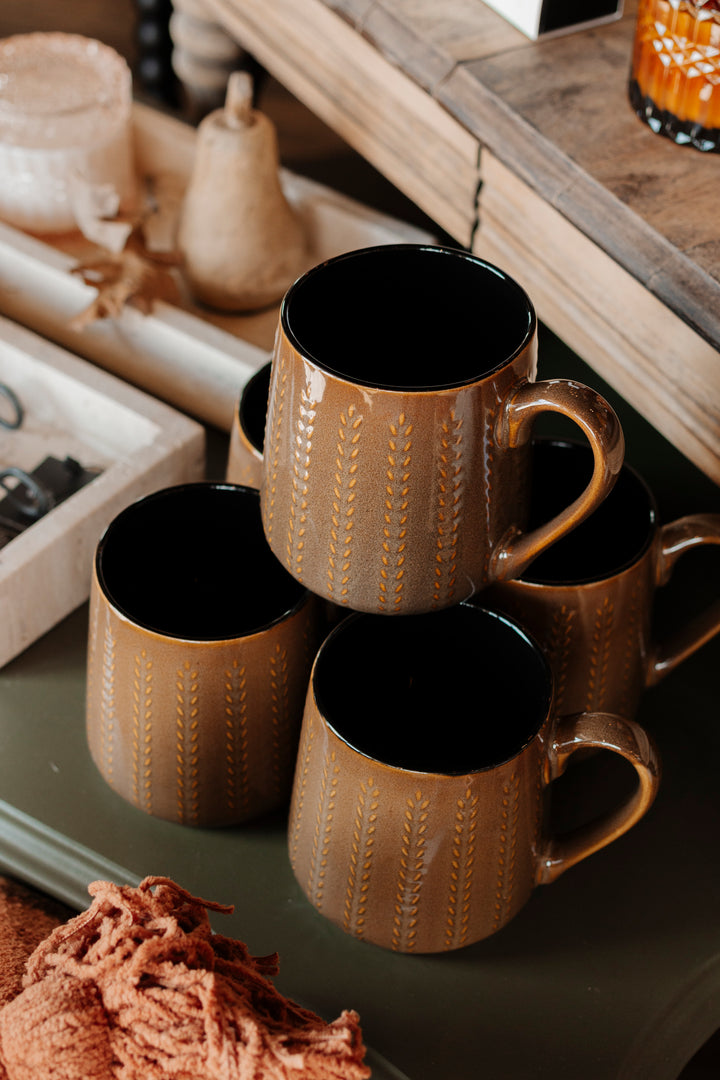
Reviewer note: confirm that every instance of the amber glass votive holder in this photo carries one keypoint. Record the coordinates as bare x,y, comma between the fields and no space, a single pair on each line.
675,76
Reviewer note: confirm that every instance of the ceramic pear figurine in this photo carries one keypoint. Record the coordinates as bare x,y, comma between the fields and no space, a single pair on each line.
241,242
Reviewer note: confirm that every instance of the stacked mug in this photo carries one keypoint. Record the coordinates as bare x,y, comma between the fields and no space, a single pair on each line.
396,472
383,472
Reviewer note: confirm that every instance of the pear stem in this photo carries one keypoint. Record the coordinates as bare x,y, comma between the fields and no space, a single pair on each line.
238,100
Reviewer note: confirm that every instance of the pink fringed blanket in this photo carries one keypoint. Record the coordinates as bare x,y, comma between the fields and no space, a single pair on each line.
138,987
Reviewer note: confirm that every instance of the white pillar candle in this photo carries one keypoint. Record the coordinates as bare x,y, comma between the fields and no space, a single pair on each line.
65,130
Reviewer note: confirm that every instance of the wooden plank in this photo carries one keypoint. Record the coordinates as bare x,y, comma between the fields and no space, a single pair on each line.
558,115
373,105
653,358
427,39
353,10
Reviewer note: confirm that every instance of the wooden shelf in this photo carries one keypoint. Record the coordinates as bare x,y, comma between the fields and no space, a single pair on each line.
530,153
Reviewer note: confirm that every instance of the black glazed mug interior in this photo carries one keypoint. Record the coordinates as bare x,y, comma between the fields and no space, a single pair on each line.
252,407
408,316
613,538
451,692
192,562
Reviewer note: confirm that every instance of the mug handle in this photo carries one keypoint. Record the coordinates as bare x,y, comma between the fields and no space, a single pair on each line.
600,424
603,731
676,539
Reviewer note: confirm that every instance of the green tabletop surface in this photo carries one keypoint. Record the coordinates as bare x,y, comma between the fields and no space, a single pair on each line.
612,971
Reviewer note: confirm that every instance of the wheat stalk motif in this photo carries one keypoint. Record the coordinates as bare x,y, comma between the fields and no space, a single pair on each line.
272,446
600,655
487,486
107,703
236,737
450,483
631,631
345,481
302,773
461,876
92,647
397,490
539,815
410,874
363,839
323,830
280,704
302,445
508,851
558,648
142,730
187,730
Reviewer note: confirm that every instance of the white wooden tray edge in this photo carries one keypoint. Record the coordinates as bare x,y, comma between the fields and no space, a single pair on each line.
45,572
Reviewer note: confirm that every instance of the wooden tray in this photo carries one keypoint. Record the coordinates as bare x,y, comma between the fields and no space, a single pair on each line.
194,359
74,409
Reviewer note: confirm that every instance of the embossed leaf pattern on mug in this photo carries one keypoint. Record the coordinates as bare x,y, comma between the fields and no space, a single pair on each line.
508,852
395,518
142,711
343,508
361,858
274,458
186,753
633,633
236,737
301,451
366,856
187,730
595,651
450,491
410,873
107,703
300,788
462,869
282,733
559,640
323,829
487,484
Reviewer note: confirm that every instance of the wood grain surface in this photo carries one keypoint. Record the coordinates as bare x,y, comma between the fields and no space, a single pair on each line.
593,210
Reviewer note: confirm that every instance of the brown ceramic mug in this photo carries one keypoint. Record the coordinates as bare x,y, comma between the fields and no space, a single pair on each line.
400,411
247,435
589,599
199,654
420,805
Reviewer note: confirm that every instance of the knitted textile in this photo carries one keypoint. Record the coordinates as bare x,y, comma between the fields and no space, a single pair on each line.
138,987
26,917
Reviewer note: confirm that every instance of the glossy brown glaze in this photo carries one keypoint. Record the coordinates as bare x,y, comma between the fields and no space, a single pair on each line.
422,861
410,499
598,634
244,464
247,435
198,730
